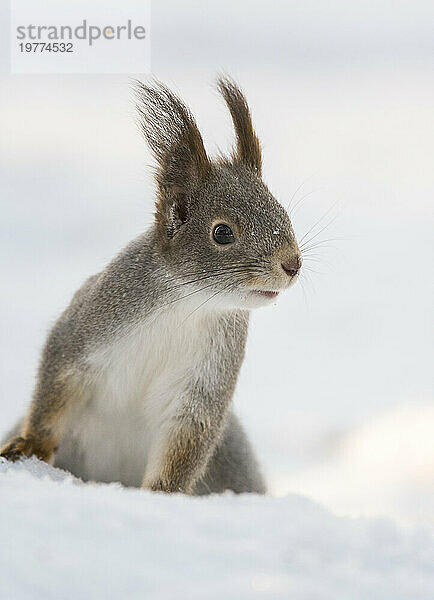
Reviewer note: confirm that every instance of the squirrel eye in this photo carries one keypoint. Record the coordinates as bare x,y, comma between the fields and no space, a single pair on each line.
223,234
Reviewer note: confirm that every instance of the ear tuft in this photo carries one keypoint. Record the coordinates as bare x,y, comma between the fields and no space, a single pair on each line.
248,146
173,137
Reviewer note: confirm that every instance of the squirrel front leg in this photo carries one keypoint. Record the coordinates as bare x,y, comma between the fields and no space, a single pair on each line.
188,437
45,423
182,452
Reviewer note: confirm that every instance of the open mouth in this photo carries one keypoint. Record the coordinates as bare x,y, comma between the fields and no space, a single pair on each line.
266,293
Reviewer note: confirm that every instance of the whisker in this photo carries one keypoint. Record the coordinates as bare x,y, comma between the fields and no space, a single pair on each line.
308,254
288,206
321,244
310,270
188,295
208,270
230,266
245,263
241,271
319,221
197,272
205,301
304,292
297,204
233,270
311,259
315,235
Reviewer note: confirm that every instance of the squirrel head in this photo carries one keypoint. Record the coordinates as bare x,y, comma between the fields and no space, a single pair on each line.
220,228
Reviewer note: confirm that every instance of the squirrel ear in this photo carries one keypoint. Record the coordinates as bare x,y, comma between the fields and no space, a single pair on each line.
173,137
248,147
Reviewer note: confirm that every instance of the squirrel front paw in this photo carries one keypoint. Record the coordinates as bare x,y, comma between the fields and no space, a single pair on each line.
165,486
19,447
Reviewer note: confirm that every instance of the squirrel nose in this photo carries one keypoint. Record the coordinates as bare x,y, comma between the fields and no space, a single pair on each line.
292,266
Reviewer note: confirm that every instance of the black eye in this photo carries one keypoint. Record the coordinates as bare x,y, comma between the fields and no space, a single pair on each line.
223,234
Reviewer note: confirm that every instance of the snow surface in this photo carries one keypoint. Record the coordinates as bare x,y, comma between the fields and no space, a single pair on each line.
65,539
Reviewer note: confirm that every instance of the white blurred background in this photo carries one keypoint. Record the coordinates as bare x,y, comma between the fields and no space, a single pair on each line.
336,390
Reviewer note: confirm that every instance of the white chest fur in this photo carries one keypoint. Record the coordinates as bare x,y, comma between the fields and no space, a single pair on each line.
135,384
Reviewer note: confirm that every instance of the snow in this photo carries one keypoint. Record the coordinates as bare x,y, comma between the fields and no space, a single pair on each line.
65,539
383,466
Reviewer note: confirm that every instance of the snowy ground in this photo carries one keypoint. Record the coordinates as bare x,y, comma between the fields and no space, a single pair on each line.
65,539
